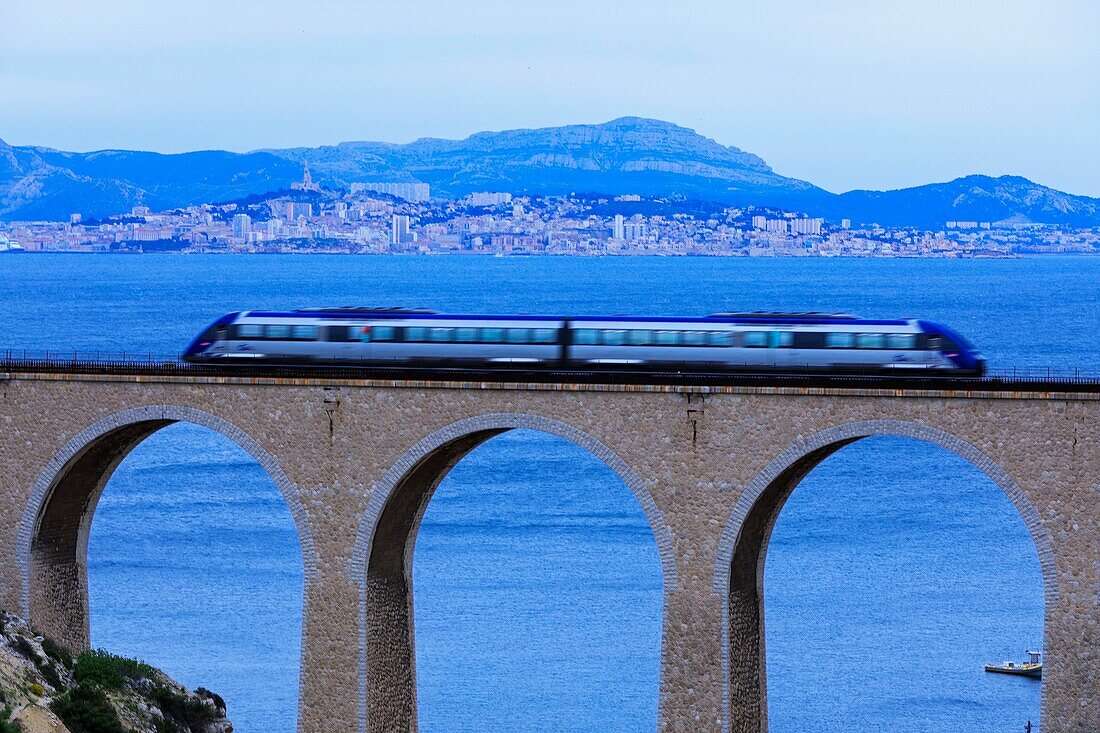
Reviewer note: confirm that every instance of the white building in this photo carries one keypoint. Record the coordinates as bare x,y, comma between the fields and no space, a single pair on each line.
618,228
806,226
487,198
399,230
295,210
415,192
242,226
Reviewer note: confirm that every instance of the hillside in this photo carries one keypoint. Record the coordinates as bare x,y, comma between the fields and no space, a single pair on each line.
630,154
971,198
41,183
45,690
627,155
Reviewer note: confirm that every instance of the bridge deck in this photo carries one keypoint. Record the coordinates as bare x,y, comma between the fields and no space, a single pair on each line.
1034,385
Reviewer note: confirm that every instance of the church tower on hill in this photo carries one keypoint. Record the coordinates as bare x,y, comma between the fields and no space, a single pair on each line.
306,184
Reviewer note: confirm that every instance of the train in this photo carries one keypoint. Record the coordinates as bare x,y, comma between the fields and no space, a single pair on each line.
725,342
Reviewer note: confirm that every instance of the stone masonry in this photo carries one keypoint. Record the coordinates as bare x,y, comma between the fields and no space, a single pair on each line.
357,462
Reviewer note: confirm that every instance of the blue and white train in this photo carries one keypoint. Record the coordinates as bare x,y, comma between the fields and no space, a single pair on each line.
783,342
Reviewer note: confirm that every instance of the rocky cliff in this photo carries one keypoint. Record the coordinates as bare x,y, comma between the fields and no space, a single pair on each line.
43,689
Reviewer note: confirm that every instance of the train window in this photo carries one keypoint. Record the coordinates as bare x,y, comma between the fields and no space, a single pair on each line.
870,340
719,338
303,333
901,341
340,334
586,336
220,333
808,340
780,339
492,335
756,339
466,335
516,335
383,333
277,331
414,333
934,343
613,338
639,337
544,336
694,338
840,340
250,331
441,334
666,338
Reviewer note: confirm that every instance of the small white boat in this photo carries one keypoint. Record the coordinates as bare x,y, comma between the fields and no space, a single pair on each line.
8,246
1033,667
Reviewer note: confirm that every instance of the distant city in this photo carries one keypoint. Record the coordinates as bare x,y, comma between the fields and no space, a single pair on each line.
385,217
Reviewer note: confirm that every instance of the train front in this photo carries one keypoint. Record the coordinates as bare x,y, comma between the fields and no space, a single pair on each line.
198,351
963,356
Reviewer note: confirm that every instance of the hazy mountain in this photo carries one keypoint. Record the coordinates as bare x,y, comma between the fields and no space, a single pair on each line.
627,155
41,183
971,198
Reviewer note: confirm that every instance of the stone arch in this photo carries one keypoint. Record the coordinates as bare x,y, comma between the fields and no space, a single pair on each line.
738,573
382,569
51,545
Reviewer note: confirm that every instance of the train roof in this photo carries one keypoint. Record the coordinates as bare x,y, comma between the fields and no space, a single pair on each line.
754,317
396,313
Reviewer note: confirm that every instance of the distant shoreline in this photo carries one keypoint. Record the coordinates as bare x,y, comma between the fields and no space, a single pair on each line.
594,255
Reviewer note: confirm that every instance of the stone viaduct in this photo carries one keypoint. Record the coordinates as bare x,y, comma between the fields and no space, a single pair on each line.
357,462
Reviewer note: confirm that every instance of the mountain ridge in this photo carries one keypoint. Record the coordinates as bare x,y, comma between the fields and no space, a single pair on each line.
626,155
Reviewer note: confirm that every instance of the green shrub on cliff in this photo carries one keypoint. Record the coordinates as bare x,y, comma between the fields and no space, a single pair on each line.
107,671
6,726
182,713
85,709
57,652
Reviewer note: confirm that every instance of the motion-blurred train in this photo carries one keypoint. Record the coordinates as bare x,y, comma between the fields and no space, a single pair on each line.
781,342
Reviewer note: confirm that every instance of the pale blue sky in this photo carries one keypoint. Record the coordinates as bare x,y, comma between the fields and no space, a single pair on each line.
847,94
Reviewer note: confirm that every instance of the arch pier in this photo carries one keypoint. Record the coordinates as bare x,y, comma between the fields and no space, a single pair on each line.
739,571
357,460
386,542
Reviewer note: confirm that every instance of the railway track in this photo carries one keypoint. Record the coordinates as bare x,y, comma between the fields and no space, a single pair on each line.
1031,380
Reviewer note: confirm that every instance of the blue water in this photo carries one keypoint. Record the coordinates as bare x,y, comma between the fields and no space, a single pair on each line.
538,593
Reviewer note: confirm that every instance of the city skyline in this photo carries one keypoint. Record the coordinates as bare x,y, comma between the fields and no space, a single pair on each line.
851,96
402,218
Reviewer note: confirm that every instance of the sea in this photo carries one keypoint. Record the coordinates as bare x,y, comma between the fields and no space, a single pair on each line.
895,572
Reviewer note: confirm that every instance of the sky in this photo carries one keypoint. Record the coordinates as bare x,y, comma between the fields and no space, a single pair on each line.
845,94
